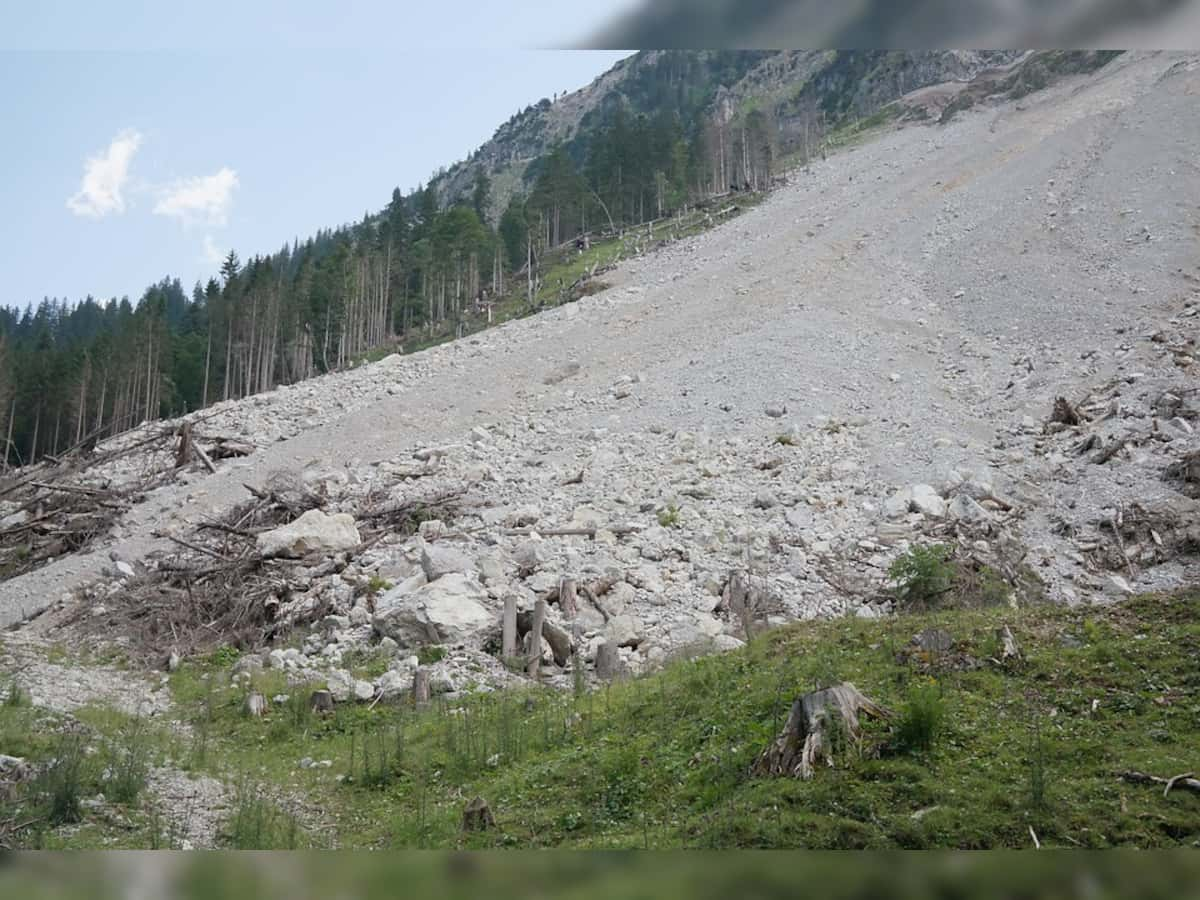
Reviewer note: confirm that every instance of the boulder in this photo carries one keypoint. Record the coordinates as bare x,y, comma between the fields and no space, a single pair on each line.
624,631
437,561
530,555
927,501
897,505
313,532
451,609
340,684
963,509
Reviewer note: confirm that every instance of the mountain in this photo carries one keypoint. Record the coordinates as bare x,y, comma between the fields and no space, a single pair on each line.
794,87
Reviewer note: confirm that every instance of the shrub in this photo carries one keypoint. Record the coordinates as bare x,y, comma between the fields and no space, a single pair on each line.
61,783
669,517
921,718
259,824
923,574
127,765
15,696
430,653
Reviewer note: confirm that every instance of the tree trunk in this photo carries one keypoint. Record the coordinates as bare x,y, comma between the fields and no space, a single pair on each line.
608,662
566,598
320,702
421,686
533,655
508,628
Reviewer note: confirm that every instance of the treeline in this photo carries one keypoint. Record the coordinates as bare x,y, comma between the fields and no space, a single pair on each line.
72,374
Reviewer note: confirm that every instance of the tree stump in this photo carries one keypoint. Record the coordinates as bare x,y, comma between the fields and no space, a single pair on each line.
533,657
1009,650
608,662
508,627
183,455
321,702
814,726
558,638
477,816
1065,412
567,603
256,704
421,686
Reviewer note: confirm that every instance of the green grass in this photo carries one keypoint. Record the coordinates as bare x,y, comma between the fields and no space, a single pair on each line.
662,761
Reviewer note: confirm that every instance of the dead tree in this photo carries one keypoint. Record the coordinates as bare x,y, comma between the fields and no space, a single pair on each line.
816,725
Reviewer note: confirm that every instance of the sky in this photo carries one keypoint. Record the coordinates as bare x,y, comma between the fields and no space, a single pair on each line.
137,148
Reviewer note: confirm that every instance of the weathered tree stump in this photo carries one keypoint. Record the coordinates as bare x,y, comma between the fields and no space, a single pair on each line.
1009,649
477,816
1065,412
608,662
809,734
321,702
421,686
558,638
256,704
533,655
567,603
508,628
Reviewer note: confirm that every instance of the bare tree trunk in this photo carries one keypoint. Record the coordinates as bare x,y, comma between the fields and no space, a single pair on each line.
508,628
533,654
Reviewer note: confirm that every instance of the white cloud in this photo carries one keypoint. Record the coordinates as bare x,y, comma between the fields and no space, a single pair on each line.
211,254
204,199
104,177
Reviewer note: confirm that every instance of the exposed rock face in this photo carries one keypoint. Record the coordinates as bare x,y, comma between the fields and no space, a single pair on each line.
312,532
451,609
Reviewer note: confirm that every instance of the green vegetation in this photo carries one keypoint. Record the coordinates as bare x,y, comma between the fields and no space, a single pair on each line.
975,757
668,517
928,576
923,575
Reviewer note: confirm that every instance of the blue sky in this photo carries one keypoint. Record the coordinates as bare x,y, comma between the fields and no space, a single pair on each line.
131,154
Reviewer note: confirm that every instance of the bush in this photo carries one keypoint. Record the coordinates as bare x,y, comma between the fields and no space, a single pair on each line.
923,574
922,718
127,765
258,824
669,517
15,696
61,784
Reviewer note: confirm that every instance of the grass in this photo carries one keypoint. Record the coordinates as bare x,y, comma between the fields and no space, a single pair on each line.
974,760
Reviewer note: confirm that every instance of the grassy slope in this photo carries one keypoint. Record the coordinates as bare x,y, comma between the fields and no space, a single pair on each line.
662,761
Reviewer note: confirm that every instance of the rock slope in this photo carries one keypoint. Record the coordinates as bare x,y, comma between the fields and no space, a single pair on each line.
748,426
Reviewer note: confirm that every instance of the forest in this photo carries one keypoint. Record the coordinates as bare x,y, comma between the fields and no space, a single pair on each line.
75,372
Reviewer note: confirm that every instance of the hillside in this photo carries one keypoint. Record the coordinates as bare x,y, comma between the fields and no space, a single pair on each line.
820,89
944,377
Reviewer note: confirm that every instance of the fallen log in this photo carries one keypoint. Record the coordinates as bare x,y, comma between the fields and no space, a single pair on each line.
816,724
1186,781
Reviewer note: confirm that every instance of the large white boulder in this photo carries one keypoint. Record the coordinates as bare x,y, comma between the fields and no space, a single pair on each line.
437,561
313,532
452,609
